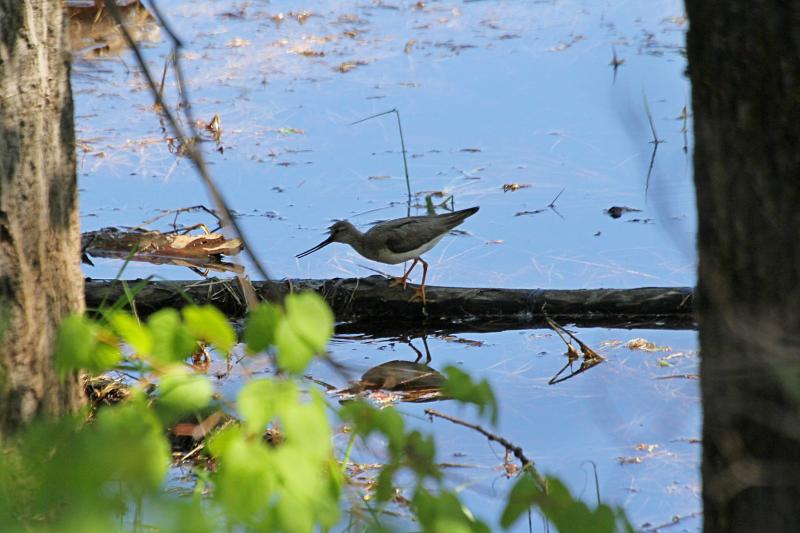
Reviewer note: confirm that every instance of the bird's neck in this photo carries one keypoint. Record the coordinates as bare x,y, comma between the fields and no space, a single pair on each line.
357,241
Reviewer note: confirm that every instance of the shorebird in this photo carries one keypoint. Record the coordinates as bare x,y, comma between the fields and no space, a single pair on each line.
396,241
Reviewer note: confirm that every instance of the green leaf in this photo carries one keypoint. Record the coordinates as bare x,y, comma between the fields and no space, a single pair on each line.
259,333
132,332
520,499
306,426
303,332
260,401
245,480
459,386
220,440
564,511
208,323
181,393
171,340
294,353
310,318
367,419
133,428
82,344
421,455
444,512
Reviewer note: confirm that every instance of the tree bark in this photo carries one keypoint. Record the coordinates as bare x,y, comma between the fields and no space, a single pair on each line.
744,62
40,278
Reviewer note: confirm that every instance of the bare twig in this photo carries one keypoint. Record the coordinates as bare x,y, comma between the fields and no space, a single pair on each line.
527,464
192,151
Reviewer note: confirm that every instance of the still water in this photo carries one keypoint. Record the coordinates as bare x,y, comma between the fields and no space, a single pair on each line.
513,106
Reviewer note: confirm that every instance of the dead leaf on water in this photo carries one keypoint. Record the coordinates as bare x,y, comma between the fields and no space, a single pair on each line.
238,42
645,345
306,52
409,46
301,16
511,187
347,66
215,128
560,47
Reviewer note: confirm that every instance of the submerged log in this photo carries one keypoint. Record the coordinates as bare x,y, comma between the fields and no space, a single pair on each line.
371,304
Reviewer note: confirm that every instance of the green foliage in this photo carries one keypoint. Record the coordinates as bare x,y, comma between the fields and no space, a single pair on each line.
181,393
68,475
303,332
444,513
261,323
459,386
299,331
172,341
209,324
556,503
84,345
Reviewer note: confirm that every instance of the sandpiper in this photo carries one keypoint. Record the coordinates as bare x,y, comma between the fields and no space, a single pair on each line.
396,241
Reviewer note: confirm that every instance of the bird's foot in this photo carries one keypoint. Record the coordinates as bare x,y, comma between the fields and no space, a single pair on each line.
419,294
399,281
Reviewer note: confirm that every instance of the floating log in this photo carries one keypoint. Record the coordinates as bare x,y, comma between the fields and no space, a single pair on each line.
371,304
198,252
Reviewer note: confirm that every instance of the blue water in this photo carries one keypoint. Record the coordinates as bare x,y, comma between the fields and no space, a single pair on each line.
490,93
541,116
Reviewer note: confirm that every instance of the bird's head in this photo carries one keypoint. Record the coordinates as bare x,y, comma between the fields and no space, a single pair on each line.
340,231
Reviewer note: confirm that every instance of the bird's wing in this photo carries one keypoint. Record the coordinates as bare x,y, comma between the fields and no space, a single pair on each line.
411,233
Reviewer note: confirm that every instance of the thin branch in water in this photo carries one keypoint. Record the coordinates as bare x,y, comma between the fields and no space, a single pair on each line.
527,464
655,140
552,205
650,171
193,152
596,479
402,147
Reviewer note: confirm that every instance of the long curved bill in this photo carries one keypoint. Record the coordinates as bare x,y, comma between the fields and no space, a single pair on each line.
321,245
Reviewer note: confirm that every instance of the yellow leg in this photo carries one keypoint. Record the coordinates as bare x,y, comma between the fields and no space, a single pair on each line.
404,279
420,292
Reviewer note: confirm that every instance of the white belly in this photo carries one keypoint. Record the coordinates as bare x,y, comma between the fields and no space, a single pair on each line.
385,256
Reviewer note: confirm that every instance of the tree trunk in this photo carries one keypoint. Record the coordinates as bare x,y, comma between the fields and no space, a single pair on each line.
744,60
40,278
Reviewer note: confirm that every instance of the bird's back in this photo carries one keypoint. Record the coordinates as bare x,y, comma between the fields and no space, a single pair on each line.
411,233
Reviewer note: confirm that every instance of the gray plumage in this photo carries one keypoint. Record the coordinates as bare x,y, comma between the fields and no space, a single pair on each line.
398,240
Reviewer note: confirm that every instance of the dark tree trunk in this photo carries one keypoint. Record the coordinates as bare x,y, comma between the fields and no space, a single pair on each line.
40,278
744,61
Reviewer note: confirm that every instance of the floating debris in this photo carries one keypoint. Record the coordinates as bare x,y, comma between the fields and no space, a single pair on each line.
618,211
